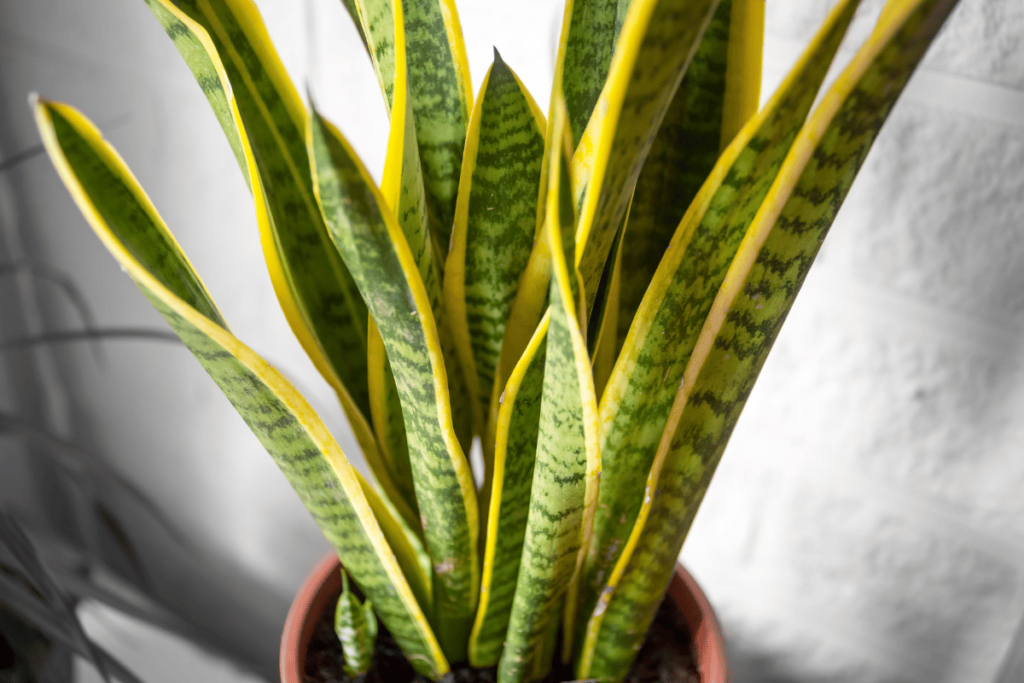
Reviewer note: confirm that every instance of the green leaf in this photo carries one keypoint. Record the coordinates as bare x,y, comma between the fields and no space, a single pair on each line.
495,223
370,240
388,422
439,91
588,39
403,190
356,627
225,44
377,25
514,454
402,187
349,512
567,466
525,313
657,42
745,319
698,125
639,394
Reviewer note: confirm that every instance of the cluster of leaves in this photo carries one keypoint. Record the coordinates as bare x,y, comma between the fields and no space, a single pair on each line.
592,294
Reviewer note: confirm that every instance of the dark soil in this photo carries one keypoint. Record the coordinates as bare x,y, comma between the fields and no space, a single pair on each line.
666,657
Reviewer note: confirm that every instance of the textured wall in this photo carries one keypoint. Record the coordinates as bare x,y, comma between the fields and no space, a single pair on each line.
865,524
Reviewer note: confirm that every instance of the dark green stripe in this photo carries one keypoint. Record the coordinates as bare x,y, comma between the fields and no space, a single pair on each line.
588,54
360,233
631,437
682,156
752,324
672,35
501,218
519,456
322,287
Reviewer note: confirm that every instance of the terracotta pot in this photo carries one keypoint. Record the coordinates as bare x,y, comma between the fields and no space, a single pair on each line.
324,583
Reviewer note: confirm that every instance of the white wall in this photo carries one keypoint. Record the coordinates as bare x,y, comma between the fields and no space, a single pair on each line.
866,522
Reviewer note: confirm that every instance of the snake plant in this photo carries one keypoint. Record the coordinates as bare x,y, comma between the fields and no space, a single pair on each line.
590,293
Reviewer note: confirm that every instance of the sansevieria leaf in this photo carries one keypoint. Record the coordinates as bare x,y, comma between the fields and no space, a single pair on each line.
348,511
355,624
429,257
527,309
655,46
514,453
225,44
644,382
588,38
439,91
495,223
402,188
567,465
717,96
375,250
745,319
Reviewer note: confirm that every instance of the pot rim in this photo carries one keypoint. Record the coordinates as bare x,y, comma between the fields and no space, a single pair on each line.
325,580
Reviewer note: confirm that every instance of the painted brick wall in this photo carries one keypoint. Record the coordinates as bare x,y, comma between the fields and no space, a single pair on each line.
867,522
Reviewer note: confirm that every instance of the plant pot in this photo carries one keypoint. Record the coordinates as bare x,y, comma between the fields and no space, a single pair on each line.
324,584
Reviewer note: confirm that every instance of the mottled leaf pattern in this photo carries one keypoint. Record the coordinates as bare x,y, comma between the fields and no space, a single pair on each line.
439,91
528,307
567,465
402,188
377,21
589,39
494,223
745,320
657,42
441,94
646,377
514,453
355,624
333,492
225,44
388,423
375,250
681,157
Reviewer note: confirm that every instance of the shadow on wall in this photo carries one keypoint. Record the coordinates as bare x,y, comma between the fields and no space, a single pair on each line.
749,664
73,526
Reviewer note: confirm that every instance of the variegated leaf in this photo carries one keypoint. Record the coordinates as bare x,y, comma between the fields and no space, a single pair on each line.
402,188
514,453
567,465
439,91
585,53
745,319
349,512
355,624
376,252
495,223
225,44
655,46
719,93
646,376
